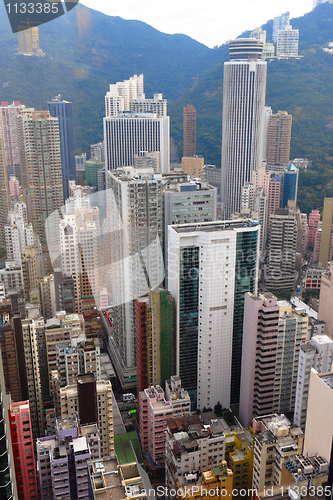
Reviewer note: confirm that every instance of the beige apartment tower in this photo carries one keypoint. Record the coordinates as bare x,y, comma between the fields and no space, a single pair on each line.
326,233
189,130
39,147
4,193
279,135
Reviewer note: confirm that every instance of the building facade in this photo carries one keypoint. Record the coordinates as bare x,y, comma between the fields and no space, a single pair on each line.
189,130
244,90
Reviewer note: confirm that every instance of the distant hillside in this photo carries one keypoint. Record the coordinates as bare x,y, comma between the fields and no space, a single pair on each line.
85,52
301,87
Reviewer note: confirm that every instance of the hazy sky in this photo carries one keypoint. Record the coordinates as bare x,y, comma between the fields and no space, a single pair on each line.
211,22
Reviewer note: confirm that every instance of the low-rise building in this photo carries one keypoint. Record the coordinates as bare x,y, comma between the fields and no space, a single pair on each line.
214,484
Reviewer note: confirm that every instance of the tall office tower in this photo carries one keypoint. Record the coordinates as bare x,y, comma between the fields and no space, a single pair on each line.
189,130
92,401
64,287
8,489
155,338
211,266
261,323
32,371
244,90
326,236
279,137
64,112
4,193
39,146
274,196
314,218
282,243
186,201
326,299
8,351
287,42
23,450
318,354
97,151
8,124
290,187
135,218
128,134
280,23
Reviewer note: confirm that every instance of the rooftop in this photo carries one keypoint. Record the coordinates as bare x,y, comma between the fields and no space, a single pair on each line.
228,225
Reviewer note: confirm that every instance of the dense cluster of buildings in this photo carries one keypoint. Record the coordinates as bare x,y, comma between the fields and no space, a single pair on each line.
164,278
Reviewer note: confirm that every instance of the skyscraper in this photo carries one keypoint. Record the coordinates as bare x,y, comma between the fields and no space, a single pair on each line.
326,235
134,125
211,266
287,42
8,113
244,90
4,193
280,23
189,130
40,159
279,136
64,112
290,186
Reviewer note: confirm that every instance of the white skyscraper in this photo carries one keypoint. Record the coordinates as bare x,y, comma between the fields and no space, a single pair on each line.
211,266
244,90
134,125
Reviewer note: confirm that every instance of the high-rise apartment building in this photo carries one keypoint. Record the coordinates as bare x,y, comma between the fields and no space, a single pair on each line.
191,448
91,400
326,233
39,147
135,125
277,443
23,450
318,438
279,136
318,354
29,41
293,327
280,23
274,196
8,114
211,266
154,338
8,351
326,299
314,218
8,487
135,218
4,192
30,329
64,288
64,112
282,245
287,42
261,320
244,90
97,151
189,130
